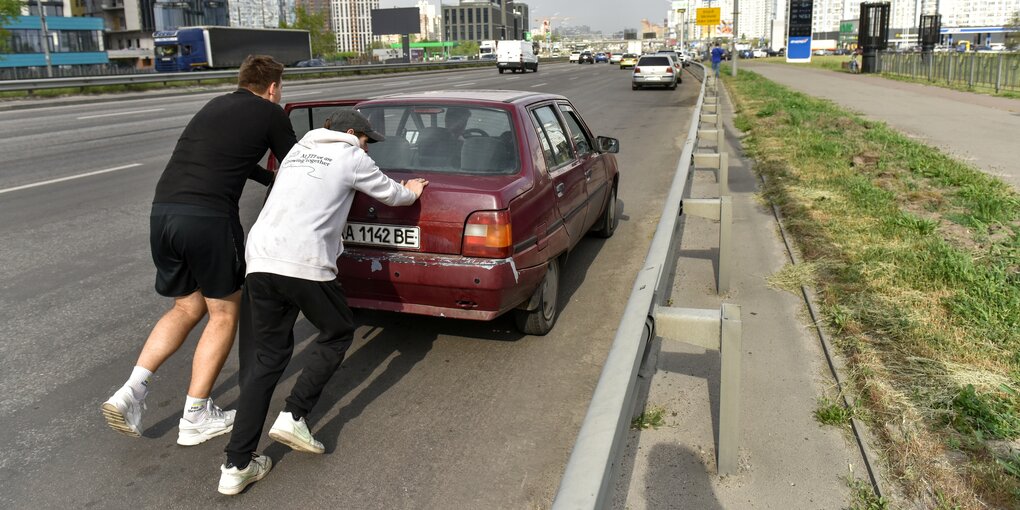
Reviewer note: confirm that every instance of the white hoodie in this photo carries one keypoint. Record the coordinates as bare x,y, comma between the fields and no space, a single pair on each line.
298,231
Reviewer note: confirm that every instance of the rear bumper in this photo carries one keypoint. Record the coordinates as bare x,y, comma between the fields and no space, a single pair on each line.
436,285
511,65
654,80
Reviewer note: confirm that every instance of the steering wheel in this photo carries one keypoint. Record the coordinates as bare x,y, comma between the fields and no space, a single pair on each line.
473,132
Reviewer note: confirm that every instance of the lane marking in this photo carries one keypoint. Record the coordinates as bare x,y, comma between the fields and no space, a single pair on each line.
133,112
464,84
539,84
72,177
573,77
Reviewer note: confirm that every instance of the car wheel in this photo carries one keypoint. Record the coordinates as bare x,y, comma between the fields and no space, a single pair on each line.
501,71
634,86
540,320
673,86
606,224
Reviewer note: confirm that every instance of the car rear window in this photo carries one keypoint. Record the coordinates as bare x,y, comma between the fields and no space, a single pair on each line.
654,61
443,138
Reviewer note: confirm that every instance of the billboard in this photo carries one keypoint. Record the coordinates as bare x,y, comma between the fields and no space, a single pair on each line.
403,20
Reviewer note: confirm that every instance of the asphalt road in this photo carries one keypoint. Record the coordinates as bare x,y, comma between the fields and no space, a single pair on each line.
424,413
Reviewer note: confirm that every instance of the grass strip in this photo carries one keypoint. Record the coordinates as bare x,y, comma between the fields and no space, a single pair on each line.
916,259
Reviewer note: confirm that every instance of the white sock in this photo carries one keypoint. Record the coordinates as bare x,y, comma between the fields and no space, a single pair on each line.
139,382
194,408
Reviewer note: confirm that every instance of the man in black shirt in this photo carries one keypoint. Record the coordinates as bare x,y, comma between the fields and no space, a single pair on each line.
198,245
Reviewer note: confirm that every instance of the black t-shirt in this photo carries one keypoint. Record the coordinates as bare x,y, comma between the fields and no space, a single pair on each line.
221,148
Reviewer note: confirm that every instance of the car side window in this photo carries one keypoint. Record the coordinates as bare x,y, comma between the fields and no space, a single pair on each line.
553,136
577,133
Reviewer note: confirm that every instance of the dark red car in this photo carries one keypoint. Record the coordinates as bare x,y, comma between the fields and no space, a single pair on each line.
516,180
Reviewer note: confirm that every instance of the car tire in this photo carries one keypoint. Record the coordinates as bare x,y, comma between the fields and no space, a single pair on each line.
501,71
672,87
634,86
541,320
606,224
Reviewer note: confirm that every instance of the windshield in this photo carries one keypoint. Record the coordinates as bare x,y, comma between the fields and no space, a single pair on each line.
442,138
166,51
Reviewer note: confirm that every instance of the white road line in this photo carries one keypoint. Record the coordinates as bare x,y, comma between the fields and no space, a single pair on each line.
464,84
120,113
539,84
62,179
573,77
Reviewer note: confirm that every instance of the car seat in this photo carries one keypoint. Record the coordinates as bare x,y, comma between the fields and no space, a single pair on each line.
436,148
484,155
393,152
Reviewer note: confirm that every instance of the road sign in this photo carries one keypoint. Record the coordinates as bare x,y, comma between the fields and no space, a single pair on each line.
709,16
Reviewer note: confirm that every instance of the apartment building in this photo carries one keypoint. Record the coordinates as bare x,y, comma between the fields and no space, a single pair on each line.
352,24
73,41
480,20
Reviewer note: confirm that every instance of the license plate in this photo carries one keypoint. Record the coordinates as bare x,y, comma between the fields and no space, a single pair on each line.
373,234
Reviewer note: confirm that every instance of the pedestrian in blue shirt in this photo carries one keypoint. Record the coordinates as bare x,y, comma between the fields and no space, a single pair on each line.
717,55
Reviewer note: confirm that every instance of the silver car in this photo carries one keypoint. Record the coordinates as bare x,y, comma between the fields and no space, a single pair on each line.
658,69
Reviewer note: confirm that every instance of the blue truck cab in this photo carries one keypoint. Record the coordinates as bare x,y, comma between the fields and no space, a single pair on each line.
181,50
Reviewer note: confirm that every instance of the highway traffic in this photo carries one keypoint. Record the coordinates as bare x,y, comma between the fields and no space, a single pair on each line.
424,413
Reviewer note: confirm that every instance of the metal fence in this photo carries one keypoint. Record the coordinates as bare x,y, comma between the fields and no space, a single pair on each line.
996,72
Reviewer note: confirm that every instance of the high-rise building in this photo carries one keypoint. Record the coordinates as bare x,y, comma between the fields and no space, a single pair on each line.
255,13
429,21
352,24
479,20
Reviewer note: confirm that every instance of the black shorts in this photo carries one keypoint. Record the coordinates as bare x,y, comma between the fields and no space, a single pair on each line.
195,248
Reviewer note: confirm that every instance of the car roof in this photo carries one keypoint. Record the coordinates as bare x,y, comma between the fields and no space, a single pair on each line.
468,96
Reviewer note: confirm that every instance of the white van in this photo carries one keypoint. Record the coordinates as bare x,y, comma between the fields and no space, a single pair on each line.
515,55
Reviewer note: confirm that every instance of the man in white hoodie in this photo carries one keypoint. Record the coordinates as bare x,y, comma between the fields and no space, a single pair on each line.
291,257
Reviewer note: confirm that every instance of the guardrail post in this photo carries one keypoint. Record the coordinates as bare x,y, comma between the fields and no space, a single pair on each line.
718,330
729,389
716,161
720,209
998,75
711,135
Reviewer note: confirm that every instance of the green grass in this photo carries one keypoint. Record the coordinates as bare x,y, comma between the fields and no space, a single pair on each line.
832,413
653,417
863,496
916,259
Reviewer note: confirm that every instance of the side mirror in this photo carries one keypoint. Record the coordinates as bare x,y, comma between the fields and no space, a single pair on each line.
607,144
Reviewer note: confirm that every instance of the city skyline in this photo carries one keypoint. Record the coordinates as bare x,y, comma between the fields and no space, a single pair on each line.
579,12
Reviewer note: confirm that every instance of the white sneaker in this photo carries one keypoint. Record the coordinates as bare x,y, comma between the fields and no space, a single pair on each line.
234,480
295,434
123,412
215,422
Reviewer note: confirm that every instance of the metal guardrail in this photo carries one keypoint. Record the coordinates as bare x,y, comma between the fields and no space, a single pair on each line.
994,71
200,76
587,479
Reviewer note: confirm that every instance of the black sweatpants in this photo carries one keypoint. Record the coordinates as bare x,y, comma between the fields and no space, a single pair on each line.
269,308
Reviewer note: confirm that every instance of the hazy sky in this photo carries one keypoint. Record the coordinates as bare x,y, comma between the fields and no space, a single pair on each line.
606,16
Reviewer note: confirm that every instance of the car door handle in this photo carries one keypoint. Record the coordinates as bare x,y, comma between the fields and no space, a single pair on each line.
560,189
587,174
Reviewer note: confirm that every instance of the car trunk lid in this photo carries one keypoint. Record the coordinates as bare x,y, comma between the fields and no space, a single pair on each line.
441,212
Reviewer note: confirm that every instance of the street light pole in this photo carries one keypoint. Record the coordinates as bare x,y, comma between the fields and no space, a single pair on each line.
736,54
45,38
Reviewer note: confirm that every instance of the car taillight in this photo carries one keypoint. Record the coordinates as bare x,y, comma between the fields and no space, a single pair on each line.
487,234
669,70
637,69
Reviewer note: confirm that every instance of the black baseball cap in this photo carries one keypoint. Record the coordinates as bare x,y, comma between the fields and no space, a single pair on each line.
347,118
